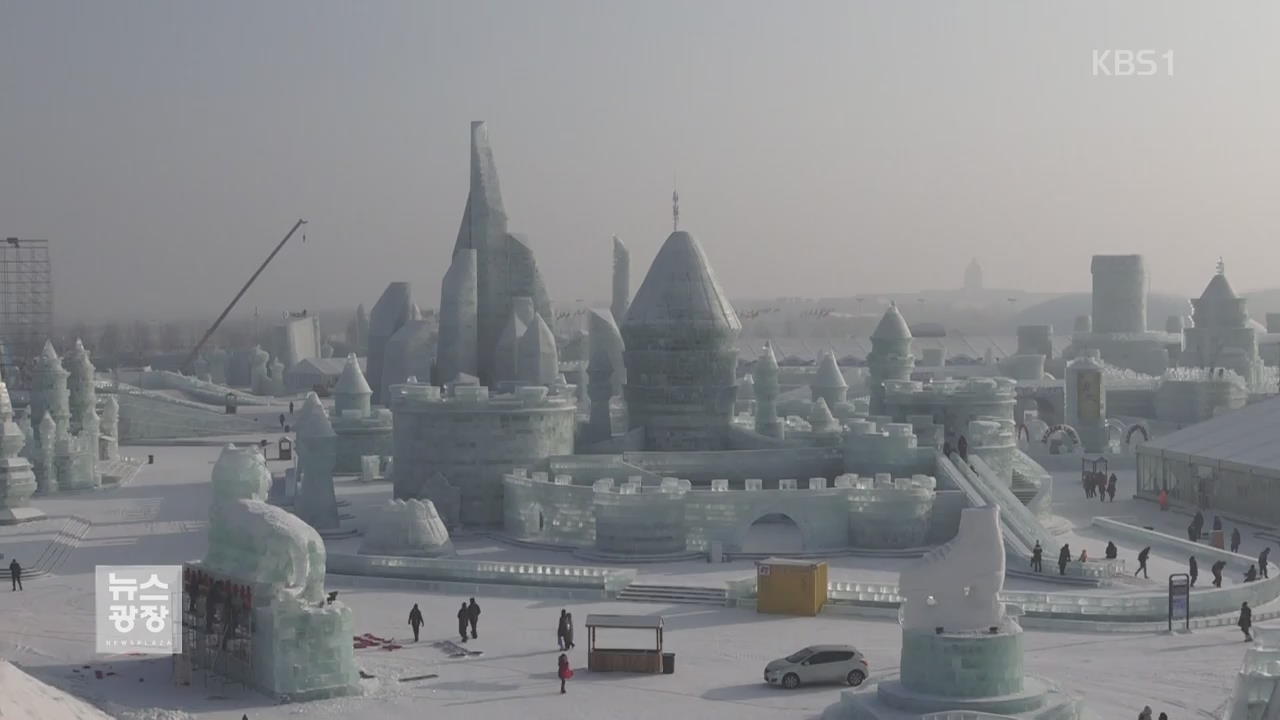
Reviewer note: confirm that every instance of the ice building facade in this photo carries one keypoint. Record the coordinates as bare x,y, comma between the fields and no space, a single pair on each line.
66,449
1117,327
298,642
1221,336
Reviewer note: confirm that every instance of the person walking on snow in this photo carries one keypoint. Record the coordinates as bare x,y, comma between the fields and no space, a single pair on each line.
1064,557
1251,574
562,628
1262,560
473,617
1235,539
415,621
1164,501
568,631
563,671
1111,488
1216,569
1037,557
1112,551
15,575
464,618
1246,621
1142,562
1193,569
290,407
1084,555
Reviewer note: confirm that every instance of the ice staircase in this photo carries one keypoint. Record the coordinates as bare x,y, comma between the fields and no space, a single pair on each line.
673,594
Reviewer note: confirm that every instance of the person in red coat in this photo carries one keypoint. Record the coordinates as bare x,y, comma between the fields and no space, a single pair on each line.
565,672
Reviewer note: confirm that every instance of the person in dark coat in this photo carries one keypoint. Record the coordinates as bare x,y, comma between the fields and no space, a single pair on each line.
562,627
415,621
282,420
473,617
1262,560
563,671
962,447
1251,574
1142,562
1111,488
1163,716
1246,621
1217,569
1037,557
1217,522
1199,522
15,575
290,407
1102,487
1235,539
1112,551
1145,714
1193,569
568,631
464,618
1064,557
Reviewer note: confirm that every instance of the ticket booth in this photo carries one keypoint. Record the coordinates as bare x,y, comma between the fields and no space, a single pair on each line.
232,403
648,659
285,449
790,587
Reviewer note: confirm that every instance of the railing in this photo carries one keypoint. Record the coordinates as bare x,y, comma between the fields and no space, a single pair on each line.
609,580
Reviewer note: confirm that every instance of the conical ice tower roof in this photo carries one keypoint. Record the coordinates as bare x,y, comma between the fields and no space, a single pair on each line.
681,290
1218,290
352,380
829,375
892,326
313,421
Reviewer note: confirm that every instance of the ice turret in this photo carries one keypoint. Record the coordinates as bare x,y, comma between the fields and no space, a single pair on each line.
538,361
829,384
352,391
765,379
679,351
390,313
820,418
317,503
890,357
604,338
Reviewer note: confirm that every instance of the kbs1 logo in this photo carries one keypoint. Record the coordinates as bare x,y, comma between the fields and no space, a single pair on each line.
1132,63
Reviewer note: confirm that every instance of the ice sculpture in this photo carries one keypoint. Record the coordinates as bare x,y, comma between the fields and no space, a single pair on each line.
17,480
537,360
408,353
46,475
301,642
829,384
456,347
83,404
765,383
110,429
957,586
680,353
260,382
600,392
390,313
821,421
506,351
407,527
621,280
317,452
505,266
352,392
890,357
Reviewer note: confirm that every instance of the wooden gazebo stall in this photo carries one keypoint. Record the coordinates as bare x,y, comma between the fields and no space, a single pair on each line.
647,660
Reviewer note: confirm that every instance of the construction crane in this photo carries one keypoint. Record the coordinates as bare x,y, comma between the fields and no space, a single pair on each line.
195,351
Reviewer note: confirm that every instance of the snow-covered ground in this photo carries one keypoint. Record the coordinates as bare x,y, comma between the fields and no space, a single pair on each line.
161,518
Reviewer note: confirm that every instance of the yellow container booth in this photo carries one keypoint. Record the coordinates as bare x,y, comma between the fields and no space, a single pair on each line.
790,587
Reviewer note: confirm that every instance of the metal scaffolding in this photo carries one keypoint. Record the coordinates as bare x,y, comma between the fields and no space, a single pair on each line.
26,306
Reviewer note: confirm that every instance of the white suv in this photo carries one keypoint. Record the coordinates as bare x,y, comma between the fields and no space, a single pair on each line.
818,664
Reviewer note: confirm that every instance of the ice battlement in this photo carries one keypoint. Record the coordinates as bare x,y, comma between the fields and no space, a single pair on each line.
420,397
978,388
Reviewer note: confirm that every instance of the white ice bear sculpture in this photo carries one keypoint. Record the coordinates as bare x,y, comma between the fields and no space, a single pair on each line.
257,542
957,586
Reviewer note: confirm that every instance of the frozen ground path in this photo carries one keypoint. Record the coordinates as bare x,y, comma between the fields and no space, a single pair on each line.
161,517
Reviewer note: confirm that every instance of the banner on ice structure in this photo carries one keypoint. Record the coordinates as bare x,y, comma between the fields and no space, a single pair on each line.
137,609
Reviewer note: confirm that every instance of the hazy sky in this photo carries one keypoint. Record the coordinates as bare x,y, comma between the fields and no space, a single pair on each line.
821,148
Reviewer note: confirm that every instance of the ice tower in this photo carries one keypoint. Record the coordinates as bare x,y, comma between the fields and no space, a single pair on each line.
765,376
890,357
505,266
456,347
317,452
679,351
17,480
393,309
621,280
